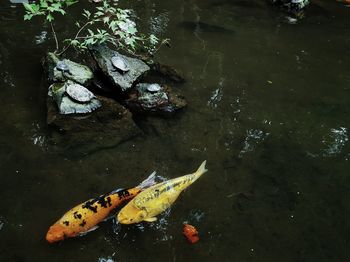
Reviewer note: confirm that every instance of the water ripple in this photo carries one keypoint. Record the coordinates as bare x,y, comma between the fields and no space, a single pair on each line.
335,141
216,95
253,138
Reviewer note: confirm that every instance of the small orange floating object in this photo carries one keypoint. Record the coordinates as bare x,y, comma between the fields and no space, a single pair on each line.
191,233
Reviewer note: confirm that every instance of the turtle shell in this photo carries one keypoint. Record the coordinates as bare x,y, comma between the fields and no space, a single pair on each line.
79,93
62,66
120,63
153,88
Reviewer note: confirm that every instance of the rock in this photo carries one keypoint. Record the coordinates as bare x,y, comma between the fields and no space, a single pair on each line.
146,99
121,80
107,127
65,69
66,105
292,6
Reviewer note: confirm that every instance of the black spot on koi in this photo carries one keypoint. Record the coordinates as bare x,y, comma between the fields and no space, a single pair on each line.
89,205
66,223
76,215
104,201
123,193
82,224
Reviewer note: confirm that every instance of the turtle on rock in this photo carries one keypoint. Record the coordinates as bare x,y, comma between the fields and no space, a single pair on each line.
79,93
63,67
153,88
120,64
72,98
154,98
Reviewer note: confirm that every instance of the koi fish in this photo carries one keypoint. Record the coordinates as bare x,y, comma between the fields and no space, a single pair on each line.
84,217
155,199
190,233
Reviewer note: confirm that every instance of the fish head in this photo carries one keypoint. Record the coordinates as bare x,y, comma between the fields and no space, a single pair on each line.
55,233
131,215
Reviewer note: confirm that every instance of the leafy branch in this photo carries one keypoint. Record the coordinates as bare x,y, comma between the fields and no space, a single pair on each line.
107,24
47,8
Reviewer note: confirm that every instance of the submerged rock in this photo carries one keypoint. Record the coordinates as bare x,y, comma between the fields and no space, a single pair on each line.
68,103
61,70
169,72
153,98
107,127
122,79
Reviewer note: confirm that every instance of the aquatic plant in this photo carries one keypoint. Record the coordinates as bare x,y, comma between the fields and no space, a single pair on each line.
106,24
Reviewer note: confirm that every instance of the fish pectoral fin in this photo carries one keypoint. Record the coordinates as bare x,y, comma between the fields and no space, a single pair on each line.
150,219
87,231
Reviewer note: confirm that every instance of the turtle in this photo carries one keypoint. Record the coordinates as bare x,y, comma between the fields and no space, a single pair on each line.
119,63
153,88
63,67
79,93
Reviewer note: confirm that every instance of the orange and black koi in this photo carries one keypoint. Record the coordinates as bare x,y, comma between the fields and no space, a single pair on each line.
84,217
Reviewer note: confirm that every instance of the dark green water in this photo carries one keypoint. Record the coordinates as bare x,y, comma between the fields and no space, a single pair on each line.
269,106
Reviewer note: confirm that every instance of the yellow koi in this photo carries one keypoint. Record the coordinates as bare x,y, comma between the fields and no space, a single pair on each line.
155,199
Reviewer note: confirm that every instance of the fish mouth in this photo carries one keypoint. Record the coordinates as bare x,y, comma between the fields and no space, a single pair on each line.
54,235
51,238
123,220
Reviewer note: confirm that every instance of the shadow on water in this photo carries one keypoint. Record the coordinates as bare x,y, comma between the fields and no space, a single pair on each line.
268,108
204,27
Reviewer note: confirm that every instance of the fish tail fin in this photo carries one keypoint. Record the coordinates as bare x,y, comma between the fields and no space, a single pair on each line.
202,169
149,181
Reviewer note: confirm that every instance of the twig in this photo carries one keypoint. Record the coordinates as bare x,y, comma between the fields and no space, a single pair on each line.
55,36
164,42
76,37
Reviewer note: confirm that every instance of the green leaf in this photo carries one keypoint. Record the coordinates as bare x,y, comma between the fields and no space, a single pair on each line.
71,2
132,30
49,17
28,7
86,13
35,7
97,14
153,39
91,32
74,42
43,4
28,16
106,19
89,41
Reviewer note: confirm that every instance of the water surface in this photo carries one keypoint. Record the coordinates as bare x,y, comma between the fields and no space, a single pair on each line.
268,108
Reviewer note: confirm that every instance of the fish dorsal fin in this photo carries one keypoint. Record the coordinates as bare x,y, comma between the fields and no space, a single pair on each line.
149,181
116,190
150,219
